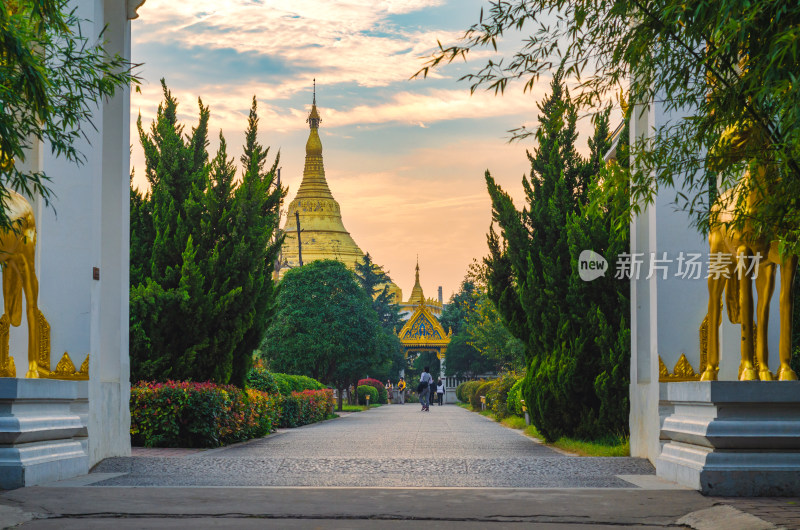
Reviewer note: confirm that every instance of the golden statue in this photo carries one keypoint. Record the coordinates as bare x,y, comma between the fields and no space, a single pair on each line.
17,251
734,243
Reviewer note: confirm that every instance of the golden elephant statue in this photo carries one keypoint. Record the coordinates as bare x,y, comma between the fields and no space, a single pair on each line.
17,253
738,243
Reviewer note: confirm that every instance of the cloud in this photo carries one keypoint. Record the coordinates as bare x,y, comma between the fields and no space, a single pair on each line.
342,41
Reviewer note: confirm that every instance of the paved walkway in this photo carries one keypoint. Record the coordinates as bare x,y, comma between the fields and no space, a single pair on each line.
390,446
392,466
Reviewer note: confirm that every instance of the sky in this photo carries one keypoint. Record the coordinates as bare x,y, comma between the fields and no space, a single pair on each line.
405,158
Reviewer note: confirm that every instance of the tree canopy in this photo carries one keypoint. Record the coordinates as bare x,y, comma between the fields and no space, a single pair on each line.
324,326
52,76
715,65
375,282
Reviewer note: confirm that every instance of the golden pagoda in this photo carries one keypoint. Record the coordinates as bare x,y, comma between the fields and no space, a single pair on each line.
322,232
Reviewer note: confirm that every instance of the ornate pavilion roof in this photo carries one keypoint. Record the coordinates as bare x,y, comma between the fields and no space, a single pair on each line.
423,331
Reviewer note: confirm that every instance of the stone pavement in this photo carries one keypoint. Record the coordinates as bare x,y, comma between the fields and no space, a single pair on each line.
391,466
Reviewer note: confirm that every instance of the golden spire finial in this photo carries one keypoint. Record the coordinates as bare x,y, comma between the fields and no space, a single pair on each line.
313,118
416,293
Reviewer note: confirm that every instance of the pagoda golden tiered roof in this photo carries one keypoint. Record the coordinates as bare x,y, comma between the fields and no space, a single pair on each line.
322,231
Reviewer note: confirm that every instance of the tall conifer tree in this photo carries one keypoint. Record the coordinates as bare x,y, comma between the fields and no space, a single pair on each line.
532,279
202,250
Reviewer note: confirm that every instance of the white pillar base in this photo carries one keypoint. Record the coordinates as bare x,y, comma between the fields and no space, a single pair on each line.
43,431
733,438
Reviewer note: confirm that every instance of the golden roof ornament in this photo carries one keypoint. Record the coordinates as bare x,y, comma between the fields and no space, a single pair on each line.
417,297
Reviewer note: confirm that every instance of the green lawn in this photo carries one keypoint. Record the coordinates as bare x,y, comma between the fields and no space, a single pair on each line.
609,446
355,408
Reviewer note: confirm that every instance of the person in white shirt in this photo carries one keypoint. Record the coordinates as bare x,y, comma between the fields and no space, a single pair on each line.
440,391
424,389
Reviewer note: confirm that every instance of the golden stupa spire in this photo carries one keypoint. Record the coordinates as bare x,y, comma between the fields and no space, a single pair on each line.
314,184
416,293
322,232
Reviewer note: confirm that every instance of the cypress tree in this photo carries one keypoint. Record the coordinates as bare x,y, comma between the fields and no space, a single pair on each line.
570,328
202,249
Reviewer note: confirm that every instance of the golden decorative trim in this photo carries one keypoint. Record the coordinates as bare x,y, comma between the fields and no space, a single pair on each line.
84,370
43,359
65,366
65,369
7,368
683,371
663,371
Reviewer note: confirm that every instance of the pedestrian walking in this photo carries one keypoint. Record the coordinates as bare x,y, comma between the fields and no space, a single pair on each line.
424,388
401,391
440,391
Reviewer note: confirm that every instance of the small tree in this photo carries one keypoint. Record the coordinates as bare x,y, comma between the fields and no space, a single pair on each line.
324,326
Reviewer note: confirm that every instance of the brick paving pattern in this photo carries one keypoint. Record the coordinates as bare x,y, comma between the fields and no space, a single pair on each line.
781,511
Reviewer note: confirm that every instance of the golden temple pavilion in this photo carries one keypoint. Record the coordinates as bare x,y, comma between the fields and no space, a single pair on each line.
418,297
322,232
422,331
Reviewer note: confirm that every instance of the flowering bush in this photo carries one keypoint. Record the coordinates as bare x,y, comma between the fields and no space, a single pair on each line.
383,395
185,414
308,406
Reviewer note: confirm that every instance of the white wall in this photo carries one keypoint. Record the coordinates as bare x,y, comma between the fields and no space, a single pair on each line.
86,226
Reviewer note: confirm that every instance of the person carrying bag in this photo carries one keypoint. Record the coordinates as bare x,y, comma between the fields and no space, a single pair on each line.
423,389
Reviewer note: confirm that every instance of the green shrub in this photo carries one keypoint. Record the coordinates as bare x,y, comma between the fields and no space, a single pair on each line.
412,398
260,379
497,395
480,390
383,395
276,383
469,390
362,392
308,406
460,392
288,383
513,403
183,414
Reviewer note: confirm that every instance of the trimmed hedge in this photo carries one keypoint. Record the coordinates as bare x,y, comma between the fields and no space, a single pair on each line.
481,390
288,383
184,414
468,390
497,394
362,392
308,406
277,383
383,395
